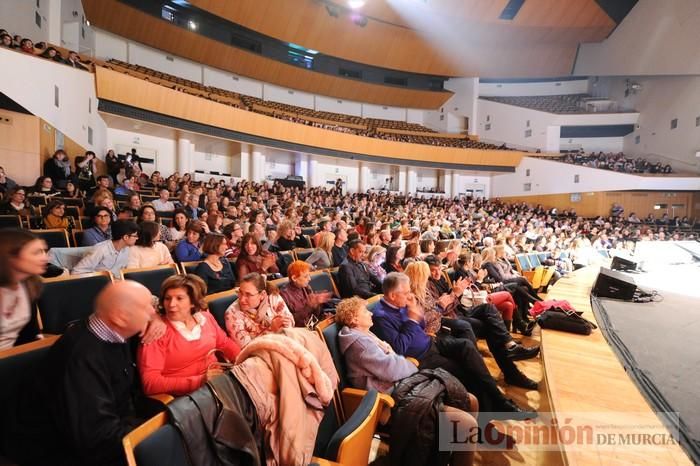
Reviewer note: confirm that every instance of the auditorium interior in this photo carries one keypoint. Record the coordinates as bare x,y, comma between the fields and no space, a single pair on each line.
349,232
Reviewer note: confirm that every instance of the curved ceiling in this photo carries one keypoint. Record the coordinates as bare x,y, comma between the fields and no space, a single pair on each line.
440,37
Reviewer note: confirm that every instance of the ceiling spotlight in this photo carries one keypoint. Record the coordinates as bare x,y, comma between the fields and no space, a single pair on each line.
192,25
355,4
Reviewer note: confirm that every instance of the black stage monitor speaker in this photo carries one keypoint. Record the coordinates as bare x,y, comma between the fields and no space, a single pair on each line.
611,284
618,263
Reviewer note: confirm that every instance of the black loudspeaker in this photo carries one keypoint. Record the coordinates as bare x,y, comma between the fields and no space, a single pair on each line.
611,284
618,263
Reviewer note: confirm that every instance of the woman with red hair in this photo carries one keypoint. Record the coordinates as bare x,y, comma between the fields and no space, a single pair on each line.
304,304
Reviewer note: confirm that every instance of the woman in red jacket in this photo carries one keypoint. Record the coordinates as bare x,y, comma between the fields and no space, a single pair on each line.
179,362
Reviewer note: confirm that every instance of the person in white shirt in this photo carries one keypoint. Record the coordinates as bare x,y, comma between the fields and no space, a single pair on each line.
111,255
149,251
162,204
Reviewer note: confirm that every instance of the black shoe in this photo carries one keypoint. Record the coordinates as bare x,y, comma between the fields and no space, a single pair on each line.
521,380
508,410
527,328
520,352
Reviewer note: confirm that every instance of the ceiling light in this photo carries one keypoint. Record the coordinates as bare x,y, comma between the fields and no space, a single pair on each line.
355,4
192,25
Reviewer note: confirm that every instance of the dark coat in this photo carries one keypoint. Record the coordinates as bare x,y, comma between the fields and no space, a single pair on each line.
419,400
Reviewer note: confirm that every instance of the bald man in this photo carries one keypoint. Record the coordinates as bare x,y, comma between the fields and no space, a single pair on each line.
82,399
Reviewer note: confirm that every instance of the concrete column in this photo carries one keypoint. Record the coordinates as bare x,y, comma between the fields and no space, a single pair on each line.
447,182
313,179
245,161
257,164
456,188
184,155
411,180
401,184
363,177
54,20
301,165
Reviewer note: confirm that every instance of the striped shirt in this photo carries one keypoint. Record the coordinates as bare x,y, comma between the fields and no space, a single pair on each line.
102,331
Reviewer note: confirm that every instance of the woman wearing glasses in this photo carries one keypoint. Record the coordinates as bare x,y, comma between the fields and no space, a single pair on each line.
259,310
16,203
102,229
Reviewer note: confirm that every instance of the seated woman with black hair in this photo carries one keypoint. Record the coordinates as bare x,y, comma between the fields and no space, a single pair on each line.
149,251
101,229
254,259
44,186
55,216
188,249
215,270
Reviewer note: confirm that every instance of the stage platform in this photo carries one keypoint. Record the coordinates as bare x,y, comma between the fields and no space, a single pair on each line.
657,341
587,385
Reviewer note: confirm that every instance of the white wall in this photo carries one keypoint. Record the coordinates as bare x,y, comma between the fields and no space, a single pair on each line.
75,34
413,115
509,123
451,116
18,17
660,100
161,61
288,96
232,82
332,168
548,177
655,38
331,104
427,178
31,82
579,86
212,155
471,180
383,112
110,46
593,144
164,148
278,163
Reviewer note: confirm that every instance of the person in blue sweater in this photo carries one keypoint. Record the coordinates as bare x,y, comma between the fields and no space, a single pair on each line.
188,248
399,320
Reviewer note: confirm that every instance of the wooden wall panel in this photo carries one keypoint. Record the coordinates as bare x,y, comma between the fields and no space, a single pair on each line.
599,203
128,22
19,146
121,88
423,40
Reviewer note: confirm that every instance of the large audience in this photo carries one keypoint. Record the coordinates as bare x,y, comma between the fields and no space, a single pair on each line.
618,162
441,273
377,244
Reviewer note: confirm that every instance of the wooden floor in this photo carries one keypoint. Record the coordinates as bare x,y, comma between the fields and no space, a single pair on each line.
577,374
584,375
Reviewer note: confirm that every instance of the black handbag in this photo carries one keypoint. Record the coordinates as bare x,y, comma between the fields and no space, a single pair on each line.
557,318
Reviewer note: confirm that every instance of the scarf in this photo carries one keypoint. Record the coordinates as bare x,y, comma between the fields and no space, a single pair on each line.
64,165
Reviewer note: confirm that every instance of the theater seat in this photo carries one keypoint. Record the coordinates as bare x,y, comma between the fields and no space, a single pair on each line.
350,442
10,221
151,277
284,259
67,299
321,280
188,267
55,237
155,443
303,254
218,303
14,363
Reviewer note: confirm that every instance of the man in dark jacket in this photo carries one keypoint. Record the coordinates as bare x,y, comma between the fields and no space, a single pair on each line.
399,320
354,276
81,401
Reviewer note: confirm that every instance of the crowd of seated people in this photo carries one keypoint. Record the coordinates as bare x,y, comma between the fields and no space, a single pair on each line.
41,49
615,162
381,243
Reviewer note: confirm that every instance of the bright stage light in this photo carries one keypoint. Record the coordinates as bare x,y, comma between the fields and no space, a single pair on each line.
356,4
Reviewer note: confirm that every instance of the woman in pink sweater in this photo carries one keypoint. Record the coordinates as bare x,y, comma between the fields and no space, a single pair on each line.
178,363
